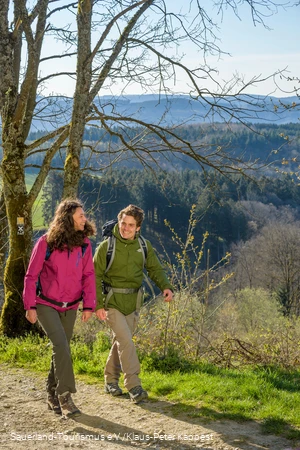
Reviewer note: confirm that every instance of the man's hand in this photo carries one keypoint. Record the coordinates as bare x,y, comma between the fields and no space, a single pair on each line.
86,315
31,315
168,295
101,314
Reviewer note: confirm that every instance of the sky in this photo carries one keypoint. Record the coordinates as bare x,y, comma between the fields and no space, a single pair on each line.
254,51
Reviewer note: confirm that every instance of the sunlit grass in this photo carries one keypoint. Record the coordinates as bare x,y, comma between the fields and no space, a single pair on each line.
37,211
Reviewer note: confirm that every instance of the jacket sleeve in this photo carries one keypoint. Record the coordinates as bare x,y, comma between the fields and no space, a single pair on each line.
88,280
100,266
156,271
35,266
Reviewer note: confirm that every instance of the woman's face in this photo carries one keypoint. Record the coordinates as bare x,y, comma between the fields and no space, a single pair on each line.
79,219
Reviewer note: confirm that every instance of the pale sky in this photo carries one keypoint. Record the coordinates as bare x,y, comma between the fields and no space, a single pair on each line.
254,51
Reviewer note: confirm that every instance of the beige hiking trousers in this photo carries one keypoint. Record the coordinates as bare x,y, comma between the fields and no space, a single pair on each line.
122,356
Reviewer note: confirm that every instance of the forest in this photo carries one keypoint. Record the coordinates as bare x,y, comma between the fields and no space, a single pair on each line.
269,146
254,220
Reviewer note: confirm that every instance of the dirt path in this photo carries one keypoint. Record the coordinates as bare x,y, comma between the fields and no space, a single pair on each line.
112,423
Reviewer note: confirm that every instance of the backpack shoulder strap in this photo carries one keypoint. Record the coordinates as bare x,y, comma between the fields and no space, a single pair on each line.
111,249
83,248
110,253
48,253
144,248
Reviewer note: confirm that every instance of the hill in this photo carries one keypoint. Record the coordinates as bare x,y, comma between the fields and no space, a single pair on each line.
175,110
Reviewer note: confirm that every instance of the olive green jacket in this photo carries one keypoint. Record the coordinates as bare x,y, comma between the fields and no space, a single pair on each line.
126,271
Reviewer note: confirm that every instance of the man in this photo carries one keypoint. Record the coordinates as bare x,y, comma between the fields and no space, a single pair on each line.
119,297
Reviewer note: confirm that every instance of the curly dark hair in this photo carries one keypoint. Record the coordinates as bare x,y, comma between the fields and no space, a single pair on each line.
61,233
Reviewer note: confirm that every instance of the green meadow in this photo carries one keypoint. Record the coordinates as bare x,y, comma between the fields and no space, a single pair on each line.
37,216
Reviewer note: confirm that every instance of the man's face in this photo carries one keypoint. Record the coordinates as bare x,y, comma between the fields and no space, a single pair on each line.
128,227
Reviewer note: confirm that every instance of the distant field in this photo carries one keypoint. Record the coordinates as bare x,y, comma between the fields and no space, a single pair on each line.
37,217
38,221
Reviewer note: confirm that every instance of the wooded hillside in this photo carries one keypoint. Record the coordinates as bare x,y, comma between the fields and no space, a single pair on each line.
266,144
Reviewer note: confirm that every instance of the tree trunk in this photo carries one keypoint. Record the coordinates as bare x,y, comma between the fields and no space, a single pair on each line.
18,99
13,321
72,170
3,236
3,244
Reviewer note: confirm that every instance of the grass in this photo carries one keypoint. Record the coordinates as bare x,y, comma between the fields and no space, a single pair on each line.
269,395
229,394
37,216
37,211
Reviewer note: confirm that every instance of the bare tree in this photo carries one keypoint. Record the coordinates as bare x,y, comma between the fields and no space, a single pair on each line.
18,98
271,260
114,41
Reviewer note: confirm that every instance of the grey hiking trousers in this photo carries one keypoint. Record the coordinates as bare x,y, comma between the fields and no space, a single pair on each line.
122,356
58,327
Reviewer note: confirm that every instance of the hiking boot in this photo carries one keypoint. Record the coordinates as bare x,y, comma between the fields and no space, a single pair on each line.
53,402
113,389
67,405
138,394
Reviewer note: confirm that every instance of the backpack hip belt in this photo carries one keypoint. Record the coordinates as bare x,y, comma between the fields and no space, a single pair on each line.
109,290
61,304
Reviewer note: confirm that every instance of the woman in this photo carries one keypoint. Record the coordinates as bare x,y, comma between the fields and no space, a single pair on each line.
60,275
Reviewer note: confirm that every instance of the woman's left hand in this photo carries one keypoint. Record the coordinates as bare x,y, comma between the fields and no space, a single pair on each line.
86,315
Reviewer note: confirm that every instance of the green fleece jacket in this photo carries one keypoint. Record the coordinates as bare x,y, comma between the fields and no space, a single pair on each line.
126,271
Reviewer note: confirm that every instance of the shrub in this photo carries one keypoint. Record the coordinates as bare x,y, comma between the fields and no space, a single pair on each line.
171,362
251,330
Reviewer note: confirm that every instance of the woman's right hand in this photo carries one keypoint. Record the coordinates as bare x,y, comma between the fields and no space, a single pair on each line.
31,315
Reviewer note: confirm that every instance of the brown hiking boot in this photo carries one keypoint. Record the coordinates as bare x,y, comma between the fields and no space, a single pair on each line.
68,408
138,394
113,389
53,402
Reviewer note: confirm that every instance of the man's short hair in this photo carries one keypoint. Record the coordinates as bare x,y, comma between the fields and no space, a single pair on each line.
134,211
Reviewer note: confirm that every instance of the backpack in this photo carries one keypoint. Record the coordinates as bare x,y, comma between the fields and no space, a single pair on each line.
111,247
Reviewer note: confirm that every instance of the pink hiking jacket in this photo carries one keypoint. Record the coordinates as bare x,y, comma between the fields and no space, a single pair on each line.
65,277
